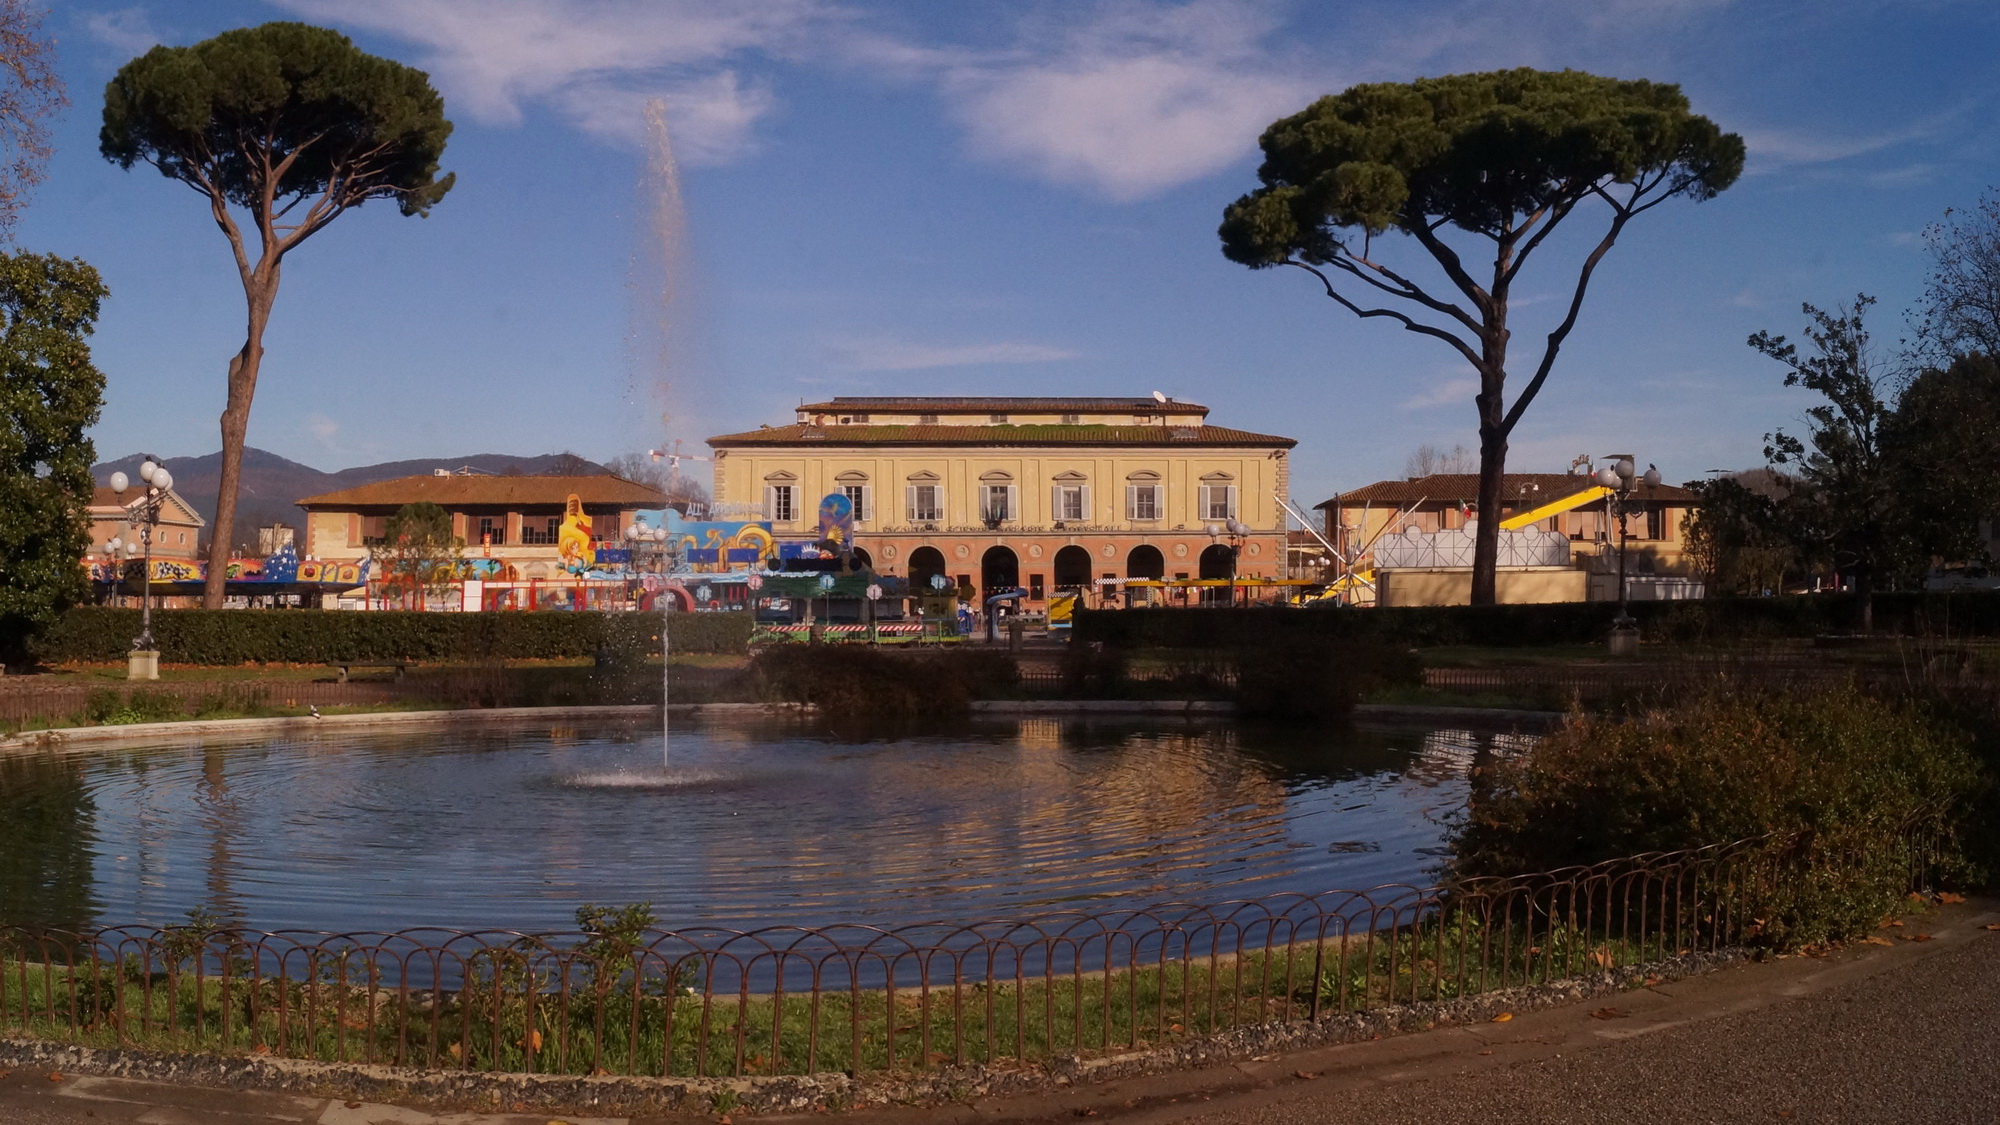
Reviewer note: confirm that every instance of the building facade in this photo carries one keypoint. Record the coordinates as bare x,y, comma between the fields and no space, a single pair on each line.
509,522
1422,525
1044,494
177,537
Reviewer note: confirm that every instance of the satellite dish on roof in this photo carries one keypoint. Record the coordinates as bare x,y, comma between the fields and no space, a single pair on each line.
1159,398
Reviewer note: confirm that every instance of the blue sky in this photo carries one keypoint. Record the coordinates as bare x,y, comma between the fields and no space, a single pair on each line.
918,198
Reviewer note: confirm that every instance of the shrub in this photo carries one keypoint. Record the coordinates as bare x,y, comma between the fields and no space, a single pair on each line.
240,636
1840,782
1309,678
852,682
1960,613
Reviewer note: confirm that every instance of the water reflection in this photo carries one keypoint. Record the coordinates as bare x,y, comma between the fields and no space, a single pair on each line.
785,825
46,841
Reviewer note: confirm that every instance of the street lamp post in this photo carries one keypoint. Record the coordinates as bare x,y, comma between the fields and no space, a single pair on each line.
144,661
1623,479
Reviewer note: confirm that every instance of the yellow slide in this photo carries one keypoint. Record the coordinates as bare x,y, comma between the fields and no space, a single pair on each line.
1554,507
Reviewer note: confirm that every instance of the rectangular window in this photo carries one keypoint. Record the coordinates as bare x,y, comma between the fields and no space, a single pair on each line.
372,530
1036,589
996,502
1218,501
861,419
1072,419
924,505
857,495
541,535
927,419
492,531
778,506
1142,502
1656,522
996,419
1070,505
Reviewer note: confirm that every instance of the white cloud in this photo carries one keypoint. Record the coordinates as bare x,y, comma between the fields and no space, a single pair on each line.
598,61
885,354
710,119
128,31
1450,391
1134,103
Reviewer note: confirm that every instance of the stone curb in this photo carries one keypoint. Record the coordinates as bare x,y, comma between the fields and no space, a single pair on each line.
62,737
625,1096
1103,706
1484,716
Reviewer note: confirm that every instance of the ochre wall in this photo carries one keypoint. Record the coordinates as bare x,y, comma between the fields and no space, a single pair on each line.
1527,585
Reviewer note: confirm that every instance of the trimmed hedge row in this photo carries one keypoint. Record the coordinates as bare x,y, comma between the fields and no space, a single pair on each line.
250,636
1956,614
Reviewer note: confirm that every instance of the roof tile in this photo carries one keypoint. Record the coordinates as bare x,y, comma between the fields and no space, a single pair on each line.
465,491
1000,435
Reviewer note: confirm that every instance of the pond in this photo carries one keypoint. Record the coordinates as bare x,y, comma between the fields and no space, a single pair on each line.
760,822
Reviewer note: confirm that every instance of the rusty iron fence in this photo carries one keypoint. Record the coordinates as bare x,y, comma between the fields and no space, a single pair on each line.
787,1000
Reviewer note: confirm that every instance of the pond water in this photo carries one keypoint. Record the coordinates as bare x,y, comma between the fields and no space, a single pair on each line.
760,822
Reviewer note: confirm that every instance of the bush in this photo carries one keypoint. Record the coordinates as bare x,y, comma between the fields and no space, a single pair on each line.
1309,678
849,682
1712,620
1842,783
244,636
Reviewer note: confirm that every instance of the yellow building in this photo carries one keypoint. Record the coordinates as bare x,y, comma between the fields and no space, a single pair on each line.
1043,493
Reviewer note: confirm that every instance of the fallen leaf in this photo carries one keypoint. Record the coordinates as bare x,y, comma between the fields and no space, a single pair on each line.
1485,1052
1784,1113
353,1105
1897,922
1503,1017
1601,956
1086,1112
1305,1075
1916,896
1176,1028
1608,1014
534,1041
1652,981
260,1049
55,1076
455,1050
1916,937
1947,898
1991,926
1876,939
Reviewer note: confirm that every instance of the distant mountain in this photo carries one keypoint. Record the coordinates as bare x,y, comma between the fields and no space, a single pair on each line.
272,485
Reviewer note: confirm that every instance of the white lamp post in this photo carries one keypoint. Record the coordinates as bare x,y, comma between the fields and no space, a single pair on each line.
144,661
1623,479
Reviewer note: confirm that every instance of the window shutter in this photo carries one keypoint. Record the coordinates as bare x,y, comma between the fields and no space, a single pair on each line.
1131,501
910,502
1013,509
1202,501
1055,502
1231,497
867,511
770,503
1089,513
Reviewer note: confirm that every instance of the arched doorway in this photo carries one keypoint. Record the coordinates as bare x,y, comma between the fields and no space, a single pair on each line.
863,558
1072,568
1218,561
924,562
1144,561
999,570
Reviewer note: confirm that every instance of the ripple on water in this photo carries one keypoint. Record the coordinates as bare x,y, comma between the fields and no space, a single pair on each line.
755,824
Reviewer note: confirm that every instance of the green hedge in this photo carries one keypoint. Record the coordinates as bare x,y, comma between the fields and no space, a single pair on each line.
251,636
1958,614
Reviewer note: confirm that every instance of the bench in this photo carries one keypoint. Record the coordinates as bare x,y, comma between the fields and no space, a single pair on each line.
396,665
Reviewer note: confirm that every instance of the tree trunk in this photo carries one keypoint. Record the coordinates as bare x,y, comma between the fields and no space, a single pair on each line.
1486,541
260,290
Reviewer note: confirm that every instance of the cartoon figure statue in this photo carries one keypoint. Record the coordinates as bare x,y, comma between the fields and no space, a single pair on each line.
573,539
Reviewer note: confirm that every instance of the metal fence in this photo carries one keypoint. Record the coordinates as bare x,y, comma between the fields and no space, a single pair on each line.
50,701
790,1000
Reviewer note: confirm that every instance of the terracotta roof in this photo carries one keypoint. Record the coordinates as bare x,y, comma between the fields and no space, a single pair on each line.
1454,488
467,491
103,500
839,436
959,404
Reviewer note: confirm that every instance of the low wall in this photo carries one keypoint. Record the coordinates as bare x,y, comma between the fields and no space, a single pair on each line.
1536,585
